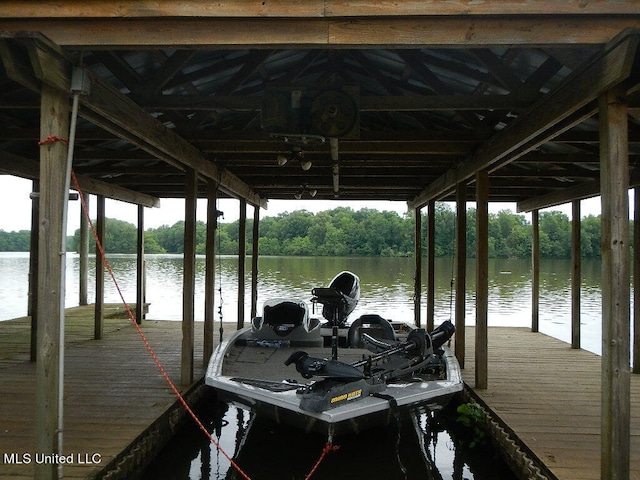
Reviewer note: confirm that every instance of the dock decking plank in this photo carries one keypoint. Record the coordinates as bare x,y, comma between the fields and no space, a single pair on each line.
549,395
113,390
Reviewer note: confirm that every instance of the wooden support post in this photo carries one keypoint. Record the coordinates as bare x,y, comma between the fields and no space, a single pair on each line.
535,271
140,290
242,248
254,261
32,308
417,278
189,277
210,271
431,269
575,275
614,185
83,253
636,280
482,279
54,122
98,316
461,270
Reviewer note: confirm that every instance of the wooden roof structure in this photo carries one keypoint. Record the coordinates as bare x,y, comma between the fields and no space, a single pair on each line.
386,100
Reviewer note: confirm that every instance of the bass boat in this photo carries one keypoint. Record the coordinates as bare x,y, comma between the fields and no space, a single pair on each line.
331,376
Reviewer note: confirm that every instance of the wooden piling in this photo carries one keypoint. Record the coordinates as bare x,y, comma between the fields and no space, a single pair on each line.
461,271
189,277
575,274
535,270
242,248
140,283
482,279
636,280
254,261
417,274
614,185
83,253
98,316
431,271
54,123
210,271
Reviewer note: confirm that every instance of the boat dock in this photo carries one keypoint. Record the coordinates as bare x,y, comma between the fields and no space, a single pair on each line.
544,398
118,409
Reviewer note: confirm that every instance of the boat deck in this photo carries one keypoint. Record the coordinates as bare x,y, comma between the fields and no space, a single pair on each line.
113,391
268,363
549,395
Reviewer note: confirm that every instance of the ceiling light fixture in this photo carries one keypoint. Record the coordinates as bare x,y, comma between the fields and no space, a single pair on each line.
297,155
304,188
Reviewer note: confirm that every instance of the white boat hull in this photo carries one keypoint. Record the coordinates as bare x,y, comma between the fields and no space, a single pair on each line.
353,415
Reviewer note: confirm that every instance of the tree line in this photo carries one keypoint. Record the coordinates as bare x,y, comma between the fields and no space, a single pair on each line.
347,232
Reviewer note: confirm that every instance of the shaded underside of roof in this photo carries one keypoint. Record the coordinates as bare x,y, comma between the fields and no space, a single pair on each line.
401,121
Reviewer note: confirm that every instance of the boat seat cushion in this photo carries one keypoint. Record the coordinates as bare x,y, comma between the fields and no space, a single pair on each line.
283,316
372,324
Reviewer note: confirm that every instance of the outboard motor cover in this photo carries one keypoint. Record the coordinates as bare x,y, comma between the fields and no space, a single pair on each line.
348,284
442,334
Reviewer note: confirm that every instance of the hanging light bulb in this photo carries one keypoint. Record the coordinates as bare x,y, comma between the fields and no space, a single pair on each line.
305,164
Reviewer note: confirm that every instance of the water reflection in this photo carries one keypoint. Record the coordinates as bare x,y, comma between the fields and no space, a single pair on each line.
387,288
425,448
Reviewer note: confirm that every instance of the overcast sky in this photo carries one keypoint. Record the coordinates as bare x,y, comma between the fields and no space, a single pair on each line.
15,213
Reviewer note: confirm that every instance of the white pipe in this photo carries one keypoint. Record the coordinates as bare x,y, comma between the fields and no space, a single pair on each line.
63,260
335,166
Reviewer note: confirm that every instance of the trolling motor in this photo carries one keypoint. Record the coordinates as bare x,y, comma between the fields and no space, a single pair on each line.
420,347
339,299
342,382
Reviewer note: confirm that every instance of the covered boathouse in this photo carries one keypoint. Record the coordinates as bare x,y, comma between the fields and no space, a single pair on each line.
533,102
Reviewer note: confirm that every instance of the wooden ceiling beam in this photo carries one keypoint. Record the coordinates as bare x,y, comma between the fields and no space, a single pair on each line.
392,103
181,32
106,107
553,114
308,8
12,164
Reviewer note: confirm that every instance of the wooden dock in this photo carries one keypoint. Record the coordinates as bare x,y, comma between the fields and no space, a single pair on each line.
113,393
542,393
548,396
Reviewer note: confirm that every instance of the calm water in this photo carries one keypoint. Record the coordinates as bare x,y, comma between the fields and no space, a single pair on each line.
387,288
435,450
432,449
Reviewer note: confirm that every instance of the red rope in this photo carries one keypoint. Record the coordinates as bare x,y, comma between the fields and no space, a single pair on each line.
329,447
144,338
53,139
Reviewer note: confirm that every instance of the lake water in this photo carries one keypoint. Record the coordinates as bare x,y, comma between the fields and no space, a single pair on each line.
387,288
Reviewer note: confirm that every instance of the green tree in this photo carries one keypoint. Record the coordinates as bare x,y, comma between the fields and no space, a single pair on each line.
15,241
555,235
591,237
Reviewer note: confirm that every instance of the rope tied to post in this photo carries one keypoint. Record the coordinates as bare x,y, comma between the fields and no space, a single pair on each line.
53,139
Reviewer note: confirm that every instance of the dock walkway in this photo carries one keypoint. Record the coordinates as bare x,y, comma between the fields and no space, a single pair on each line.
549,396
113,391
